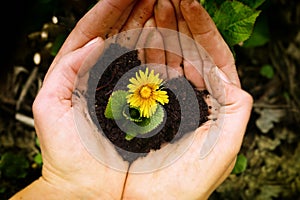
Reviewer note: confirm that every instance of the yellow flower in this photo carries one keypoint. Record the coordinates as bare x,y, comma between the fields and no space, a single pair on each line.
145,92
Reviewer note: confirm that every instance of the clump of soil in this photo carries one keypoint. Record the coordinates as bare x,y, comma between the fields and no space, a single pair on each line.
182,114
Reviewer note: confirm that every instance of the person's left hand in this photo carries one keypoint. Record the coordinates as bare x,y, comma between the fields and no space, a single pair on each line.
194,166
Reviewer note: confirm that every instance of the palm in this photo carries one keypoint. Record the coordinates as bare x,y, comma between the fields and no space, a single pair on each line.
186,177
66,160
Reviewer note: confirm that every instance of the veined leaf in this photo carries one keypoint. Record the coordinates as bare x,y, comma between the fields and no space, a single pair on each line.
147,124
115,105
253,3
260,35
235,21
153,122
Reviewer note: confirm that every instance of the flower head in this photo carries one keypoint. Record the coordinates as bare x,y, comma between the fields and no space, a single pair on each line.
145,92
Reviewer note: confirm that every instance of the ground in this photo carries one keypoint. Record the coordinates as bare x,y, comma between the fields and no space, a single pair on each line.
268,71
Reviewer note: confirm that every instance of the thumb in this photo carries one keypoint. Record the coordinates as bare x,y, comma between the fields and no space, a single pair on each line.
60,81
230,117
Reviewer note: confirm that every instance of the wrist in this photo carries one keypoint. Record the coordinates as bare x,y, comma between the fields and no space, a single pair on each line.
41,189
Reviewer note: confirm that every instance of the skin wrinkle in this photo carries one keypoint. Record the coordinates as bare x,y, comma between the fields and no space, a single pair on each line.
141,13
165,17
210,38
190,72
116,6
66,63
203,18
142,39
121,21
222,178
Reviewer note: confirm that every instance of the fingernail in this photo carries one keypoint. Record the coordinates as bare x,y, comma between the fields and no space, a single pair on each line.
216,84
91,42
222,75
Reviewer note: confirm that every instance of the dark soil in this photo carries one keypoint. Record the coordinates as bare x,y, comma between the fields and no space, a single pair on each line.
119,62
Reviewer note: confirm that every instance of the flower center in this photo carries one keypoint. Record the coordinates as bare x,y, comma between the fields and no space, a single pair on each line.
145,92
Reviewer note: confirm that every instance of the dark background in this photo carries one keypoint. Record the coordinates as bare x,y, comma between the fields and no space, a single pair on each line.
271,144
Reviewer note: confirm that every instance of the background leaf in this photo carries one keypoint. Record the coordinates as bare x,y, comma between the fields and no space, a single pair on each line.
253,3
240,165
38,159
14,165
267,71
260,35
235,21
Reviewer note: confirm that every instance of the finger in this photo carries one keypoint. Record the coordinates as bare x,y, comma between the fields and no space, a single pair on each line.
98,21
193,62
141,13
165,18
142,40
61,80
191,57
154,51
206,34
155,55
224,135
121,21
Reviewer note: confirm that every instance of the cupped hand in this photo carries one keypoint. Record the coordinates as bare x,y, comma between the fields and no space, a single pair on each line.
69,171
209,153
67,165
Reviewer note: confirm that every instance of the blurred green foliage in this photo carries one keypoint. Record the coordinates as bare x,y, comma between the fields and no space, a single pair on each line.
267,71
14,165
240,165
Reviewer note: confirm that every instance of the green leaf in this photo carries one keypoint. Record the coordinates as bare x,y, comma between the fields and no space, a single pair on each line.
253,3
37,142
2,189
115,105
147,124
155,120
132,123
14,165
260,35
38,159
267,71
235,21
129,136
211,6
240,165
132,114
